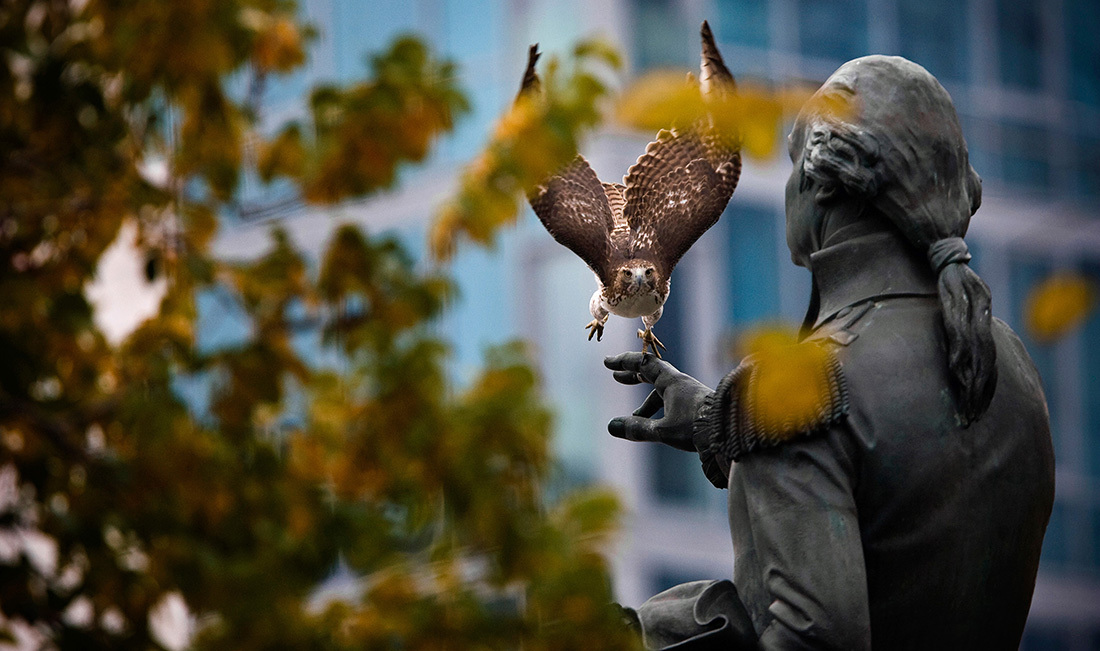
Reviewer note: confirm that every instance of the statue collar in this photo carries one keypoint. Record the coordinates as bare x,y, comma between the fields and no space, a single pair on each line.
876,265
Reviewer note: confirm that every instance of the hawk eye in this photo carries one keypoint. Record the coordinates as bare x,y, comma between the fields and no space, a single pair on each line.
627,272
648,273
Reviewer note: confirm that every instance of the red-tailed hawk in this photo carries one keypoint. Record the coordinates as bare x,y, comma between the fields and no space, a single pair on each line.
632,234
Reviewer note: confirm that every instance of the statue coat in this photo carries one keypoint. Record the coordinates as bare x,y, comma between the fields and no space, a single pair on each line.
895,527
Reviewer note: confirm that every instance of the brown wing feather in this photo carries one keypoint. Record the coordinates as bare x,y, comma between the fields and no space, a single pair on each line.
675,212
717,82
572,204
678,147
680,186
714,76
620,230
530,83
671,150
573,207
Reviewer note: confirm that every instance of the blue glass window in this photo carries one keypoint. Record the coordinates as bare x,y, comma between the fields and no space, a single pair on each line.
470,132
1091,539
753,264
659,31
677,478
1082,27
285,90
560,283
673,329
472,27
1090,383
1056,542
1025,274
667,576
934,34
1049,637
742,22
981,136
1020,32
1086,169
833,29
1025,155
358,29
977,258
222,323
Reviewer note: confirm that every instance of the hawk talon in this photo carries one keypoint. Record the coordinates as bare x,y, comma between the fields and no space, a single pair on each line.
594,328
650,340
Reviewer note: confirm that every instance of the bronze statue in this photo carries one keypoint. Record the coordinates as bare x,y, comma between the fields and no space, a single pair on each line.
909,513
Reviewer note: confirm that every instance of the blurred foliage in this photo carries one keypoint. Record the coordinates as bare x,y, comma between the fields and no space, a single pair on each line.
538,135
791,388
1058,305
118,504
362,133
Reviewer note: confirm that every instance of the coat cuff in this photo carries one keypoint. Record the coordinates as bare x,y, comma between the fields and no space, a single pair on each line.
709,431
728,424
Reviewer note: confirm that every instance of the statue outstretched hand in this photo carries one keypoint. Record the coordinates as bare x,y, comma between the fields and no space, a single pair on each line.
680,394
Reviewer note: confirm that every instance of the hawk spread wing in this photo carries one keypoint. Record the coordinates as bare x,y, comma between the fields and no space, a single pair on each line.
574,208
672,213
572,204
675,191
682,183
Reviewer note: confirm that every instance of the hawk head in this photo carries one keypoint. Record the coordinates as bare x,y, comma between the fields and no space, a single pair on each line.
635,277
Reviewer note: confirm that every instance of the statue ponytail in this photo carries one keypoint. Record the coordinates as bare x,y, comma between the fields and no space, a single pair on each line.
968,327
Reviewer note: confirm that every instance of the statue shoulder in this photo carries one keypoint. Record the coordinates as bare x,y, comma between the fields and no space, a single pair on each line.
844,328
773,397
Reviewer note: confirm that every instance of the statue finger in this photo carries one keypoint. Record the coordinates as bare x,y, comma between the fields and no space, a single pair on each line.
627,377
652,404
649,366
634,428
631,361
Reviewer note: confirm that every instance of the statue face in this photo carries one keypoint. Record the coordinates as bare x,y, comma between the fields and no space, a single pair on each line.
804,214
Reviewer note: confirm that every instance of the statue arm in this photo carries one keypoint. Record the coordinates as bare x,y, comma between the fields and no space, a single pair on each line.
793,518
798,553
799,578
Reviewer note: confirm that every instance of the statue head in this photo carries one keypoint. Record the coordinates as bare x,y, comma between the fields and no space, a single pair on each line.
899,150
898,154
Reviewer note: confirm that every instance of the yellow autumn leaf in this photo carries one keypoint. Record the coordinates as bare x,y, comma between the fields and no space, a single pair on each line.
278,46
764,338
665,99
755,113
660,100
527,146
791,386
600,49
1057,305
443,234
282,156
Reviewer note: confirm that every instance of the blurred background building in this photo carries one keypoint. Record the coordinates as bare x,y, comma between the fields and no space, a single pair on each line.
1025,79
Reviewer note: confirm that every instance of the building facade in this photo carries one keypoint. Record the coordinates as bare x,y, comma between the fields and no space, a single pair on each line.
1025,79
